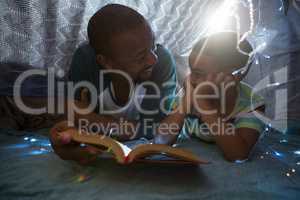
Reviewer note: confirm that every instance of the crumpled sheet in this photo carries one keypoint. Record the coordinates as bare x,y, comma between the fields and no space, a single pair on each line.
30,170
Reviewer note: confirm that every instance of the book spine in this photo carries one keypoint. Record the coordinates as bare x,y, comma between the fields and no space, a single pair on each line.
126,160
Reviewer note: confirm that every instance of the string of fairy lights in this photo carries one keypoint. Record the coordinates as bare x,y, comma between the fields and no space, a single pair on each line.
216,24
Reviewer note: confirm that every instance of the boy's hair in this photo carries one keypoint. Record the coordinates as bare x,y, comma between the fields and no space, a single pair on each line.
222,47
109,21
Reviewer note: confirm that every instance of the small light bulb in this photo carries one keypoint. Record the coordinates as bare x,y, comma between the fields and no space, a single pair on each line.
33,140
297,152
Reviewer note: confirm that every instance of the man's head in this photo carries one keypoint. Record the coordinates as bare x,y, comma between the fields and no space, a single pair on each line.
218,53
123,40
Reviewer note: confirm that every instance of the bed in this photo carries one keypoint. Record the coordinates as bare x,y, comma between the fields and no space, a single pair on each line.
31,170
44,34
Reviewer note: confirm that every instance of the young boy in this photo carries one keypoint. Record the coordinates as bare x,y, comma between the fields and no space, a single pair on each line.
223,106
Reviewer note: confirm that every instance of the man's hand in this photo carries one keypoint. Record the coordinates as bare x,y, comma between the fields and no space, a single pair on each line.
63,145
67,149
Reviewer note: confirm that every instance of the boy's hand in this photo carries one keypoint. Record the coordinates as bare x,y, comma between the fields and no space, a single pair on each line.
186,103
222,91
67,149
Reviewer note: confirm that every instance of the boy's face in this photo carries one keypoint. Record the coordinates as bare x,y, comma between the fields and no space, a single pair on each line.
206,70
203,66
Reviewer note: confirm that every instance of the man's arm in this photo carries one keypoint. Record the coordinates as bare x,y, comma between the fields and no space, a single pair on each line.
85,68
166,124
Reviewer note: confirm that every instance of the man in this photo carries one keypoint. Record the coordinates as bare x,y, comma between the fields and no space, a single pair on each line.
121,40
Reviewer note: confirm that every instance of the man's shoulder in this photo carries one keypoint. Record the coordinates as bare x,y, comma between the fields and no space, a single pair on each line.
165,67
83,65
85,49
84,57
163,52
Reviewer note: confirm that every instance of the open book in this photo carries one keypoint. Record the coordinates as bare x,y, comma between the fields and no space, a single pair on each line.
126,154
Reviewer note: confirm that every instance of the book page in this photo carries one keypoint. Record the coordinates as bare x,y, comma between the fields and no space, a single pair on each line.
125,148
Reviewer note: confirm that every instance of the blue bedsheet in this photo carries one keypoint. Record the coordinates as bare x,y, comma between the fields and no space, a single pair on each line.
30,170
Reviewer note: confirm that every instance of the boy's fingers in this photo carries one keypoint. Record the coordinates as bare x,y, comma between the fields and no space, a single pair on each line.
220,78
210,77
229,79
196,80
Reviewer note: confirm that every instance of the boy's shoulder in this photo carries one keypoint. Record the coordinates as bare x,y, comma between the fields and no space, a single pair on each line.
248,100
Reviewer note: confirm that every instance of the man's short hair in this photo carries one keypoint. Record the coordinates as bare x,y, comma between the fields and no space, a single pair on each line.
110,21
222,47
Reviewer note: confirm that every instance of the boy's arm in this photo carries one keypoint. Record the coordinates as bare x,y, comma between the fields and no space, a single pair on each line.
235,143
171,125
236,139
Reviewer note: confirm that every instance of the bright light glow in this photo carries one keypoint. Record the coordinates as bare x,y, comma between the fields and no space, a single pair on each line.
35,152
82,145
260,48
218,21
297,152
273,84
283,141
278,154
33,140
240,161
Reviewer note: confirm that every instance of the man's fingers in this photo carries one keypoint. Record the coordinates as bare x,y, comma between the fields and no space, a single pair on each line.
77,153
61,138
93,150
62,126
88,161
64,138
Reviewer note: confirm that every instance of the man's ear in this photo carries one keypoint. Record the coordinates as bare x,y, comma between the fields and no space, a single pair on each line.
103,61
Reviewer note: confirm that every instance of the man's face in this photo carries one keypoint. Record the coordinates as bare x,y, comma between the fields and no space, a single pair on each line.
133,52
